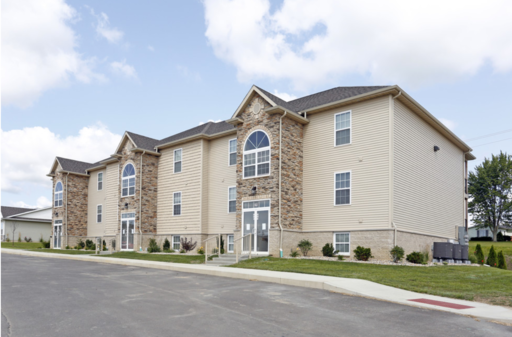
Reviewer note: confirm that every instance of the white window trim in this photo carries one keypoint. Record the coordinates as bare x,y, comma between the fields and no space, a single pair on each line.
98,181
174,160
256,151
350,188
61,192
99,213
334,242
127,178
227,243
229,151
172,241
181,203
231,199
350,127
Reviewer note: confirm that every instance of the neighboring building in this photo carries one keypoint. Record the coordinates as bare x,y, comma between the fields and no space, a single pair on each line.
350,166
34,223
474,232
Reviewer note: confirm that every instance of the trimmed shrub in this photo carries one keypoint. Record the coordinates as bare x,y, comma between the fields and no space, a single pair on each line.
328,250
167,245
363,254
305,246
45,244
341,257
81,244
502,264
182,251
415,257
472,258
492,259
153,246
397,253
479,254
90,245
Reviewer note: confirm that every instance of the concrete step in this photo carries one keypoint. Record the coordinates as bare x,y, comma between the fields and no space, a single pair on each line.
226,260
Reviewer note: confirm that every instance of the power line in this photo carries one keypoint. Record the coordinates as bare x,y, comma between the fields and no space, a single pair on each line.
492,142
489,135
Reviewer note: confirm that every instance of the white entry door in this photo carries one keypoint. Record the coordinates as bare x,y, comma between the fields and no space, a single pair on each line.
256,220
127,230
57,234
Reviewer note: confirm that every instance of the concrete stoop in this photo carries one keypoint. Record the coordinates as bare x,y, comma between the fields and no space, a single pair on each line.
226,260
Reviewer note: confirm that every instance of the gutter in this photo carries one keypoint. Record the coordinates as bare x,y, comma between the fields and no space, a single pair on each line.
280,166
196,137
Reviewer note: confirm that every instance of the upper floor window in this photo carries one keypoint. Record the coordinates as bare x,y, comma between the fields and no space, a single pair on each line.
100,181
342,188
99,213
232,152
257,155
342,128
177,161
176,203
58,194
231,199
128,187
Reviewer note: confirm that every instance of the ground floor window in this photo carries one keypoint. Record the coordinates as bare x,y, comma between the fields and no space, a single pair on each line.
176,242
231,243
342,243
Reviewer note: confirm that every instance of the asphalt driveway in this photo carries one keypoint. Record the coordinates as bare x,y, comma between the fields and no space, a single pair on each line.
52,297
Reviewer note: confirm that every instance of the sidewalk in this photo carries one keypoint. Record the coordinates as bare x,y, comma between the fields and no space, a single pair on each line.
345,286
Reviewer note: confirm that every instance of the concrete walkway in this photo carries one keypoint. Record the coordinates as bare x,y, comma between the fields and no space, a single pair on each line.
347,286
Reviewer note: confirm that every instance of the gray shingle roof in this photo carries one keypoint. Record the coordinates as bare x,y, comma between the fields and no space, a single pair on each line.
21,218
321,98
143,142
209,128
10,211
74,165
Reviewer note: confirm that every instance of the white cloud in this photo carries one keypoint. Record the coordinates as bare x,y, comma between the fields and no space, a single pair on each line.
211,120
39,50
285,96
123,68
27,154
42,202
404,42
151,48
103,28
448,123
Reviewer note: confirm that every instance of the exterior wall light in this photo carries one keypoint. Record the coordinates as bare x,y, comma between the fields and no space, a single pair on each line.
56,213
253,190
126,205
436,148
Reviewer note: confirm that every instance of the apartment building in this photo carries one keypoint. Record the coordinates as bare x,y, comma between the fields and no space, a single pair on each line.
350,166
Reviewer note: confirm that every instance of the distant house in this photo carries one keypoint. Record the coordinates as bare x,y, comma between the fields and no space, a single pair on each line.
32,223
474,232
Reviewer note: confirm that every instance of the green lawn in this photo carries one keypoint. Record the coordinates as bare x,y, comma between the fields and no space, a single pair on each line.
21,245
483,284
506,247
182,258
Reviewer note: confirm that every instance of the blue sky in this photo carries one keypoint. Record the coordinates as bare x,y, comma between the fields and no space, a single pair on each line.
77,74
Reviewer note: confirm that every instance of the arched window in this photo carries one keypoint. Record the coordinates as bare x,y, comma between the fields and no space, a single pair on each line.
128,181
257,155
58,195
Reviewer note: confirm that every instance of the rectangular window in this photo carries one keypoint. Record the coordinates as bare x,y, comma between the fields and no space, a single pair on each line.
342,128
177,203
342,243
257,164
231,243
176,242
342,188
232,152
231,199
100,181
177,160
58,199
99,213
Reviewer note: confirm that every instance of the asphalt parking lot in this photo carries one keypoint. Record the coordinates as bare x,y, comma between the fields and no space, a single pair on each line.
53,297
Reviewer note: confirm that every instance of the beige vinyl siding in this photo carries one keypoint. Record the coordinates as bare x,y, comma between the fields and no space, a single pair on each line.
220,177
95,198
367,157
205,145
428,185
111,187
188,182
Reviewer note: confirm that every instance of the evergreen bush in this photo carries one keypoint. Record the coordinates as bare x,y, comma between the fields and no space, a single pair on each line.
397,253
363,254
328,250
415,257
502,264
305,246
492,259
167,245
479,254
153,246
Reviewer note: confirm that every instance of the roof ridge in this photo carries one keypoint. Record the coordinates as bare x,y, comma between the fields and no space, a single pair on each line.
340,87
206,127
136,134
85,162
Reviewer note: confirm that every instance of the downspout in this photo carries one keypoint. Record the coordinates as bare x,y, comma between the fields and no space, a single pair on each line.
391,210
398,94
280,165
140,202
394,238
66,215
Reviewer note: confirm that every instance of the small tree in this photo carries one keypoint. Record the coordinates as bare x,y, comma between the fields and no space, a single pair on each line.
397,253
167,245
502,264
305,246
153,246
188,245
14,227
492,258
479,254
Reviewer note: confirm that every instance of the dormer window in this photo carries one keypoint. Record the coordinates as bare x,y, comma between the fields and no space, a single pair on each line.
257,155
128,183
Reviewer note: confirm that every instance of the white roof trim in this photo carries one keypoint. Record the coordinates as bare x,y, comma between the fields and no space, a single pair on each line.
122,140
246,99
32,211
